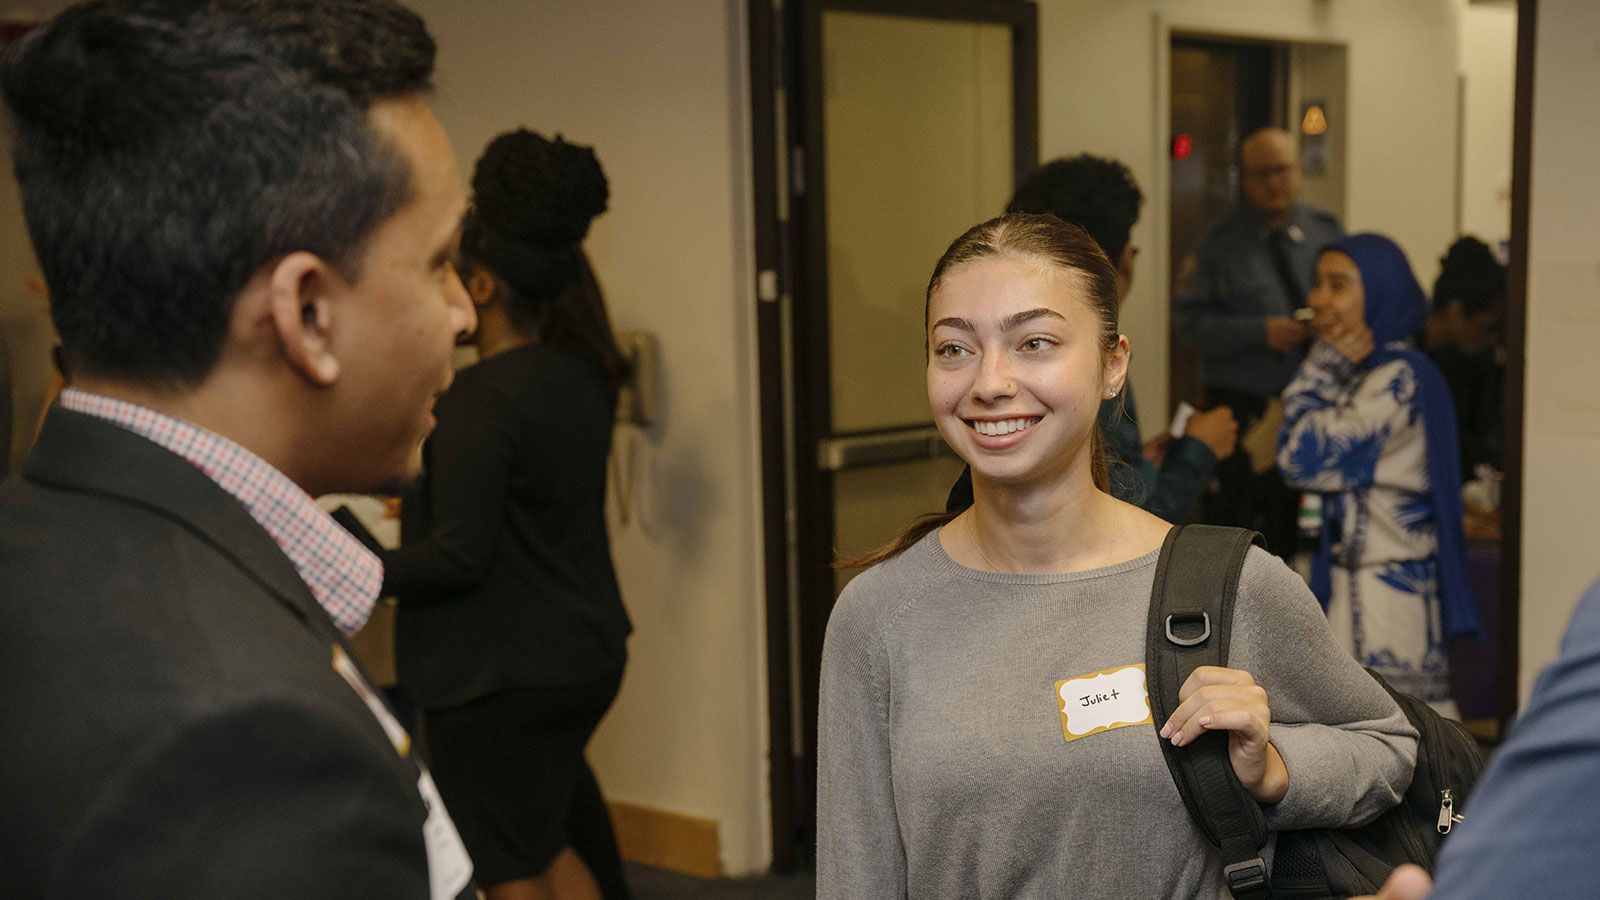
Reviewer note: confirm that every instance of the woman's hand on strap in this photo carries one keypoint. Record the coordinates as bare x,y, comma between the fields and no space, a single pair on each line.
1218,699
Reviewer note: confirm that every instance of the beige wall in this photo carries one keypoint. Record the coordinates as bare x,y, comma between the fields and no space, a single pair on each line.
1102,89
1562,468
1321,73
659,90
1488,71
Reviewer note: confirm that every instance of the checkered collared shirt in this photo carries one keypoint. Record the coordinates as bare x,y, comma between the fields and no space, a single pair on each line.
344,576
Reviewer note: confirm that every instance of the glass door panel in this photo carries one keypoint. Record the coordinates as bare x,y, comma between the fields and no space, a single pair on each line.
918,142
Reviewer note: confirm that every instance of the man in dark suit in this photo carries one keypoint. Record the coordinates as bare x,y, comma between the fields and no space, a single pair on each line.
246,215
1237,298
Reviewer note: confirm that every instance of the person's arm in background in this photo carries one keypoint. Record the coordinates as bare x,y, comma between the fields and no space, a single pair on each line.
1188,462
1529,829
1171,487
469,463
1134,475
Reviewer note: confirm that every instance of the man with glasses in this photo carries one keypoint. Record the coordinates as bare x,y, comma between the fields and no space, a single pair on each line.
1235,306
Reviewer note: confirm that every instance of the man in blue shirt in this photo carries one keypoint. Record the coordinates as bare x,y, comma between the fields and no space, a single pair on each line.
1235,306
1530,829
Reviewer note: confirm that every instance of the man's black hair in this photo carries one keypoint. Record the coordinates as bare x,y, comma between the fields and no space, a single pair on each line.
168,149
1097,195
1470,273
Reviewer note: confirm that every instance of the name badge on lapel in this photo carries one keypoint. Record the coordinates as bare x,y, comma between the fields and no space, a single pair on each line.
449,866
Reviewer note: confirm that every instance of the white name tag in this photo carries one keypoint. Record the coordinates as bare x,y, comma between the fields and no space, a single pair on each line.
449,867
1102,701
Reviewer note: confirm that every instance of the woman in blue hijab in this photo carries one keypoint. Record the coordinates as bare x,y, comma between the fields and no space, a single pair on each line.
1369,425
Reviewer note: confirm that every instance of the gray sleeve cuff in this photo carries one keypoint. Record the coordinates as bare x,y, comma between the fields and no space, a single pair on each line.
1340,776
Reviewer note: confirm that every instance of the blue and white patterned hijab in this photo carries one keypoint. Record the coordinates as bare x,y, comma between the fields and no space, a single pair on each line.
1395,310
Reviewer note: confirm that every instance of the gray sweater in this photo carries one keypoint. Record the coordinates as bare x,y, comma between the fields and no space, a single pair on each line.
944,772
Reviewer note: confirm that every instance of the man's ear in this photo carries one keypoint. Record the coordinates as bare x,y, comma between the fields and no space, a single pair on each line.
300,295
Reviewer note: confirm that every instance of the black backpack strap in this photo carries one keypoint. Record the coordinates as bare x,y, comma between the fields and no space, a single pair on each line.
1191,616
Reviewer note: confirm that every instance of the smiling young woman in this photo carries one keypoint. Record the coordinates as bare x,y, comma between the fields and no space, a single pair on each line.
943,771
1044,353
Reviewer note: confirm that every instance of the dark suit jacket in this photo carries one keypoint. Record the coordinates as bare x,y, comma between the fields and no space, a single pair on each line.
170,722
1223,300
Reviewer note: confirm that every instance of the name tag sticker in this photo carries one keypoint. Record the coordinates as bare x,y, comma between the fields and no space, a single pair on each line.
1102,701
449,867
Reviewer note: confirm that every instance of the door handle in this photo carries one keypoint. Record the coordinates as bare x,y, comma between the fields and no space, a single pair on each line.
836,454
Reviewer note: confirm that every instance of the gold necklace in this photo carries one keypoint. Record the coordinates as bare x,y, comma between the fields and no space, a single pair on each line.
973,537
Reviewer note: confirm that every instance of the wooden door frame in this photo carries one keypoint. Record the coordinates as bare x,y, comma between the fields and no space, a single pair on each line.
792,334
1516,340
772,298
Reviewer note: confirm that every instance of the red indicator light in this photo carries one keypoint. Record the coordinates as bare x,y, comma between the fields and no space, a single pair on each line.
1182,146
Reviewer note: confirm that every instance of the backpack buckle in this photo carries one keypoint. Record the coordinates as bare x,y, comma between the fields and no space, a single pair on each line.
1188,616
1250,875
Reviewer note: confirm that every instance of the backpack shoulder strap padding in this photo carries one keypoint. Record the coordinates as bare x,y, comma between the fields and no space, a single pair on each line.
1191,617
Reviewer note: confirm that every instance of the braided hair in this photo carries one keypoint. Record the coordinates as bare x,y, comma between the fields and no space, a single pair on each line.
533,201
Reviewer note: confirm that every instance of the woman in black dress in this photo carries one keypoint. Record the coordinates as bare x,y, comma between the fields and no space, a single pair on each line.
511,631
